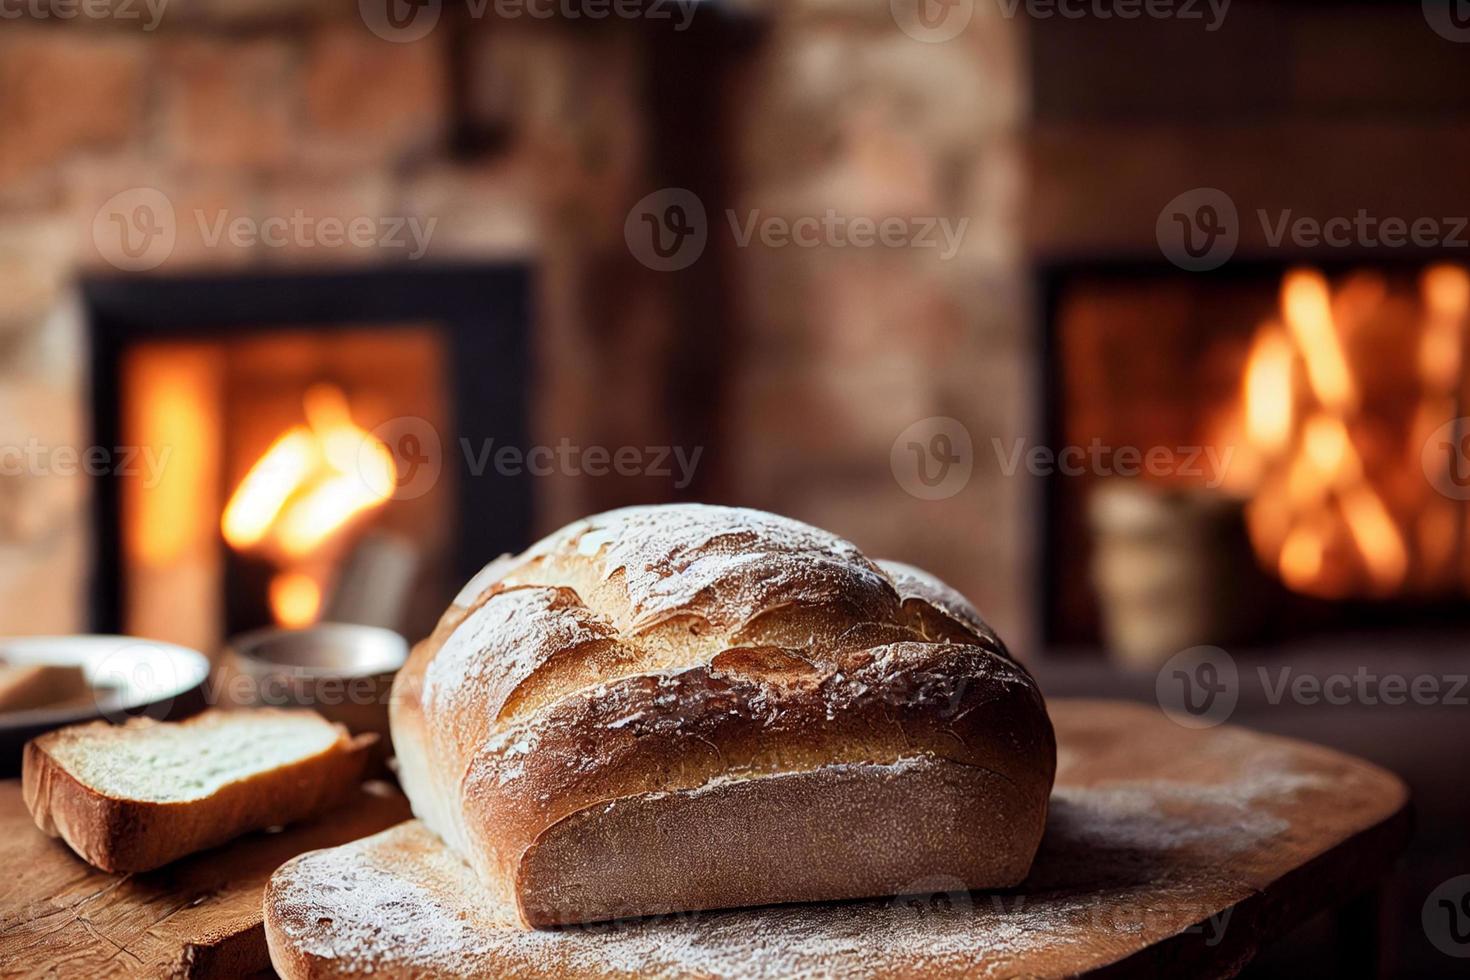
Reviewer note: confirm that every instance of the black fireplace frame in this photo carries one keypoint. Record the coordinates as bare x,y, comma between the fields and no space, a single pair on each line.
483,312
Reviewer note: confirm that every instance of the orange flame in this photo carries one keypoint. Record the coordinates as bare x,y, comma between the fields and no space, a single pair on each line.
295,599
1317,499
308,486
1307,306
311,482
1268,395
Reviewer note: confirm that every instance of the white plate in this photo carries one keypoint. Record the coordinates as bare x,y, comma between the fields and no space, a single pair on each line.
128,676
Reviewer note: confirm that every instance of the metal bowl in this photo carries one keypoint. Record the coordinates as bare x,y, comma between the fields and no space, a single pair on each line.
326,650
342,671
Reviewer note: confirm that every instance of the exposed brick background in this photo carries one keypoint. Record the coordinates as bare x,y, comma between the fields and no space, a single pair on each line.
841,349
530,140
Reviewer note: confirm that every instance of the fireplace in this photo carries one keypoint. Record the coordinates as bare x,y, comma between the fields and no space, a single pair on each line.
297,443
1307,413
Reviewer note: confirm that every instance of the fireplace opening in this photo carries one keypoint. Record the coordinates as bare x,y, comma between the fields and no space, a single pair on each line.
297,447
1280,439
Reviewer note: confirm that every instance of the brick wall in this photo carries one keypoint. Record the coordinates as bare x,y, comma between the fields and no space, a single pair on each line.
843,348
531,140
259,113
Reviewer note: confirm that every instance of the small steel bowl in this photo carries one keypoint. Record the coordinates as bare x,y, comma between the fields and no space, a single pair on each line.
343,671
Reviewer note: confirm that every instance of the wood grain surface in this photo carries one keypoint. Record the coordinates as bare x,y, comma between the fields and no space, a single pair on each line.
198,917
1169,852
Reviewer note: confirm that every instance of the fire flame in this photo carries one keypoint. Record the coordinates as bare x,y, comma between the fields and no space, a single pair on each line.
311,481
309,485
295,599
1319,514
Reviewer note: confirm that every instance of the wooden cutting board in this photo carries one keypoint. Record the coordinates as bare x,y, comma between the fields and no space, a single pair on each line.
199,917
1168,852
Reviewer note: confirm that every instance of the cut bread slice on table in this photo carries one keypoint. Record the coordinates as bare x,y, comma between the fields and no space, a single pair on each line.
136,796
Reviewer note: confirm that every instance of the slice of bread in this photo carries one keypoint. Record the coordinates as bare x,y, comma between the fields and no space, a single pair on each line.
24,687
136,796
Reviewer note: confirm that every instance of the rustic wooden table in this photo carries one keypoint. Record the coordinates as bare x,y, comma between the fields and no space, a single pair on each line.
199,917
1169,852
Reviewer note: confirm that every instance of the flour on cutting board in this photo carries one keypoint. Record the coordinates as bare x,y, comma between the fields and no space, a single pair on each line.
364,907
401,898
1147,840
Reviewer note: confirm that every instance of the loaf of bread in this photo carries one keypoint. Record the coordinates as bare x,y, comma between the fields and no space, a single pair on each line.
687,707
136,796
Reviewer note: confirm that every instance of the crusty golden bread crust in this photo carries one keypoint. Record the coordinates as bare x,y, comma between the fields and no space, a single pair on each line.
122,835
788,720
